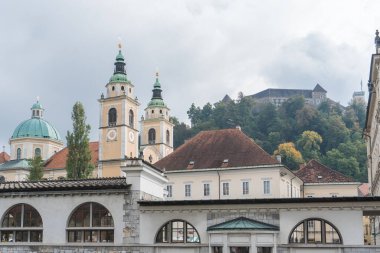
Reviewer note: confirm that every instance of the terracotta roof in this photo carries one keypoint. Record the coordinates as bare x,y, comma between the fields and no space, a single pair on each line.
58,160
4,157
315,172
64,185
216,149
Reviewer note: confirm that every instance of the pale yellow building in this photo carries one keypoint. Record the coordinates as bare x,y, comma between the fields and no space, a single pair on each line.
118,131
226,164
322,181
156,128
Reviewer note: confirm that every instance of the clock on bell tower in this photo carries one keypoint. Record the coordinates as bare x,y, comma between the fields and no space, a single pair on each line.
118,122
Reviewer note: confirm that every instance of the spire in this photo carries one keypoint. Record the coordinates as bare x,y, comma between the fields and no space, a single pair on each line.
37,109
377,42
119,64
157,100
157,88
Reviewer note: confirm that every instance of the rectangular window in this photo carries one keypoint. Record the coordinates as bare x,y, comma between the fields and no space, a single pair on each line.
245,188
226,189
217,249
266,187
239,249
169,189
206,189
187,190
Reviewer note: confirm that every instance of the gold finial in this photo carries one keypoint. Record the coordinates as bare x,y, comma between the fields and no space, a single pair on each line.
38,99
119,43
157,72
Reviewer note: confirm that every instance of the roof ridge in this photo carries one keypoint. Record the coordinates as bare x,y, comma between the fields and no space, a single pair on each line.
65,180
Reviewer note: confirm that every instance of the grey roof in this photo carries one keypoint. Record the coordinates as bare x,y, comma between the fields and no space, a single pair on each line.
15,164
282,93
64,185
319,88
226,99
287,93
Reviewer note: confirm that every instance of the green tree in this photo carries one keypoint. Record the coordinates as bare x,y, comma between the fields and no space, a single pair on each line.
36,168
290,156
78,163
309,145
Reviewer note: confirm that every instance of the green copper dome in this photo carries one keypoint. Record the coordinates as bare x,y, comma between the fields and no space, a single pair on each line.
119,74
118,78
37,106
156,103
36,128
156,100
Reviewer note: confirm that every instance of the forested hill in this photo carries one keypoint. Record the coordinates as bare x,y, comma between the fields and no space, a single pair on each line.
296,130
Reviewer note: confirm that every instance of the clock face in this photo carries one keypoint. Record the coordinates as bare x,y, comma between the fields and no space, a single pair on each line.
131,136
111,135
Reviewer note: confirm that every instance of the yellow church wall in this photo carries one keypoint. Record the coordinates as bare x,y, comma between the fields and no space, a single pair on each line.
28,145
15,175
111,169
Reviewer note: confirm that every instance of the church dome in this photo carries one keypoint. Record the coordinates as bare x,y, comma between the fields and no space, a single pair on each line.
36,127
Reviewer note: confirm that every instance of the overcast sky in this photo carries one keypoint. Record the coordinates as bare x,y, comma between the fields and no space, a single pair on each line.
63,51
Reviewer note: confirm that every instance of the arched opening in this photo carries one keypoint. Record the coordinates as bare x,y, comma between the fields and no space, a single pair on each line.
90,222
21,223
177,231
152,136
131,118
167,137
112,117
315,231
37,152
18,154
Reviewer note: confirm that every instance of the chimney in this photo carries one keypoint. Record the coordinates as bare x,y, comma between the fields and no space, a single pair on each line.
278,158
238,127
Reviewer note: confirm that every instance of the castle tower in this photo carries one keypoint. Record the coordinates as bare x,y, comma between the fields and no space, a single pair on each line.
118,134
156,129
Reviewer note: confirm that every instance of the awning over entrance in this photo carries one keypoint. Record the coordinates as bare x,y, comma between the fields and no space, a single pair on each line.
243,223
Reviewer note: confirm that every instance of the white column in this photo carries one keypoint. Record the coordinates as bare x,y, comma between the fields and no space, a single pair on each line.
274,243
225,245
253,244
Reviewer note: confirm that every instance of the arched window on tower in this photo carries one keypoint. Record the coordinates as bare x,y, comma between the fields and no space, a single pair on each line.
18,154
37,152
112,116
91,223
21,223
152,136
167,137
131,119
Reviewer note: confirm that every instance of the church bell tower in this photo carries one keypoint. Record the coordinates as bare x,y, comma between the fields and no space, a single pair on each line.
156,129
118,134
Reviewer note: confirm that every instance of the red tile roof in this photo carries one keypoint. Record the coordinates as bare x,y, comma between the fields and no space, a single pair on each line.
216,149
4,157
315,172
58,160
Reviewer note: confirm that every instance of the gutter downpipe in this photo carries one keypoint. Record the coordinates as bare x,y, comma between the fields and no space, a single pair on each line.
218,184
370,159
